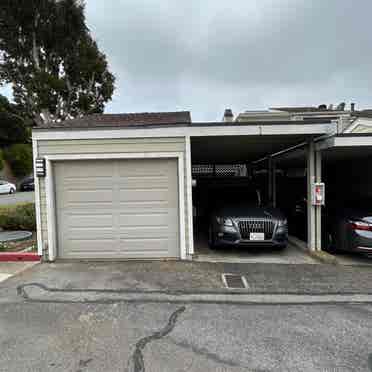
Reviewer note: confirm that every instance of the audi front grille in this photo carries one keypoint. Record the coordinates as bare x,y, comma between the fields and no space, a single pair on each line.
248,226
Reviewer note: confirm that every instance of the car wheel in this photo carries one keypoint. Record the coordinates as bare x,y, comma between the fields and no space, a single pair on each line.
211,240
11,191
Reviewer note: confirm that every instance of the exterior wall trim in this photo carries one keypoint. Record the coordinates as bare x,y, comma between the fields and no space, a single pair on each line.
50,191
353,141
192,131
189,195
37,202
348,141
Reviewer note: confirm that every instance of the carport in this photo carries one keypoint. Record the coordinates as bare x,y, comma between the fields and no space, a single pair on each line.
254,153
342,161
348,170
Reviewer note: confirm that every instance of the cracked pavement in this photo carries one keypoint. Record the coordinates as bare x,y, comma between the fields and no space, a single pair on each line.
167,337
60,335
137,362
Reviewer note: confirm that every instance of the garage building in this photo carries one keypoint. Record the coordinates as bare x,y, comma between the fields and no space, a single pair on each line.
119,186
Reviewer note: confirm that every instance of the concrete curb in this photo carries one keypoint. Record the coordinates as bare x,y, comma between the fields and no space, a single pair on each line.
19,257
321,256
35,292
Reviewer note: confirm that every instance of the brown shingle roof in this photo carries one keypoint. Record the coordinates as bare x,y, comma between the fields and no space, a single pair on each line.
123,120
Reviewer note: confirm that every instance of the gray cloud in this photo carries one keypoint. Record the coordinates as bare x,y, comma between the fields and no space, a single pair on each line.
211,54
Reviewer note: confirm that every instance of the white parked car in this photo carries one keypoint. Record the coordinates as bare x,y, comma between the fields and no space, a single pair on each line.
7,187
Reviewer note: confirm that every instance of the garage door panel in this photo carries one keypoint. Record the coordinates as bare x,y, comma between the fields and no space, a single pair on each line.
142,207
148,232
93,249
149,219
117,208
147,183
89,207
82,181
89,195
77,169
146,168
83,186
92,221
144,194
88,233
158,246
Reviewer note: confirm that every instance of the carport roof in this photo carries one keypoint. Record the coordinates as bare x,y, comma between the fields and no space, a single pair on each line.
335,148
241,149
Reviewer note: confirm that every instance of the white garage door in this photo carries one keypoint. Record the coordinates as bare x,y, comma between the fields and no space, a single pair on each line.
117,208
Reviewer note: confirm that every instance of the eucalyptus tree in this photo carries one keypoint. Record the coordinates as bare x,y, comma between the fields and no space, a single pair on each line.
50,58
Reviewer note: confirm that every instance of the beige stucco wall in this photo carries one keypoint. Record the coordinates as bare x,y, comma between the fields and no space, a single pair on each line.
132,145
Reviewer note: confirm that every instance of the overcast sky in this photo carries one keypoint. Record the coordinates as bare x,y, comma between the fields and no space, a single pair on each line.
206,55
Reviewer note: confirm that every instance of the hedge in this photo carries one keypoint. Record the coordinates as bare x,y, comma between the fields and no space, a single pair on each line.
19,158
18,217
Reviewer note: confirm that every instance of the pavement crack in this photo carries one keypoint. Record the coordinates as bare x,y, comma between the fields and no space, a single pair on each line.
136,362
206,353
83,364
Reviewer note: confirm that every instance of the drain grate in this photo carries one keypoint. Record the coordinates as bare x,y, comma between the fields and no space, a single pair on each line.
234,281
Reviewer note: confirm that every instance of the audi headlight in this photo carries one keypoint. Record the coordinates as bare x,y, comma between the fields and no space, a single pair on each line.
224,221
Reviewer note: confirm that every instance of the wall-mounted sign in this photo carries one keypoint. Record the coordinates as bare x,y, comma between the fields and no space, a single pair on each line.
318,194
40,167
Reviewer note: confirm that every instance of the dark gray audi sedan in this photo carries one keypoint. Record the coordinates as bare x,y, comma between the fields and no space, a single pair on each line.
241,220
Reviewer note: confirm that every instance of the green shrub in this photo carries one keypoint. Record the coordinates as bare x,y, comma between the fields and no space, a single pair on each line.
18,217
19,158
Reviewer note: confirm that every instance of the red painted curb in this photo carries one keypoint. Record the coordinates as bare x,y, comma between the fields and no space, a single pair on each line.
18,256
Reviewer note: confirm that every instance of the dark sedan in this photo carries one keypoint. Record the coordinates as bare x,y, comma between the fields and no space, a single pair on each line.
346,225
27,184
247,223
350,228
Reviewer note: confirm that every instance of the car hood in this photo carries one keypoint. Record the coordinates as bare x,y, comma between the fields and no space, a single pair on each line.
249,211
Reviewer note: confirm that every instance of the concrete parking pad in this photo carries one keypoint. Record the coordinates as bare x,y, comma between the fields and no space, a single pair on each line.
289,255
340,258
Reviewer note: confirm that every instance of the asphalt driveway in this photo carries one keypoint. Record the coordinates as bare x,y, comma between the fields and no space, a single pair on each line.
192,277
54,334
176,338
46,333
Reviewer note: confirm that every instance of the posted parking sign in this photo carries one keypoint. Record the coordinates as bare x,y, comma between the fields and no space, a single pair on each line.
318,193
